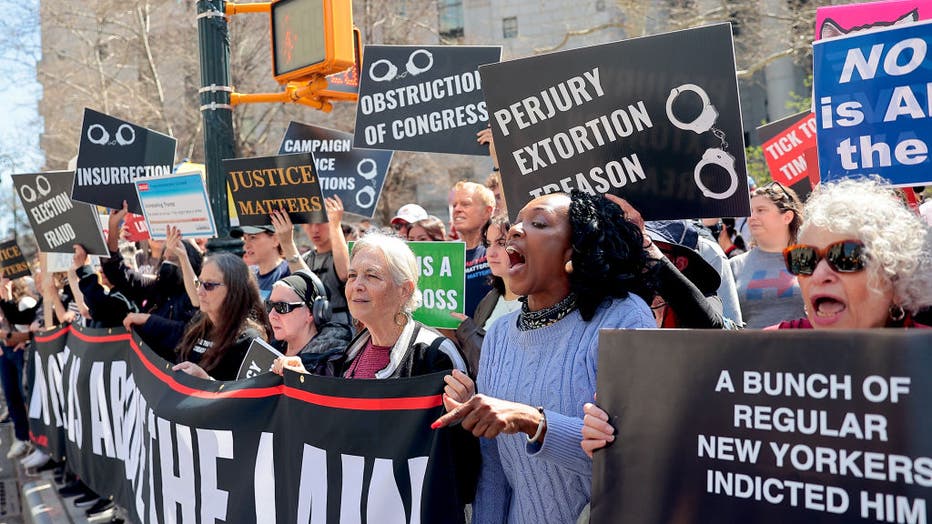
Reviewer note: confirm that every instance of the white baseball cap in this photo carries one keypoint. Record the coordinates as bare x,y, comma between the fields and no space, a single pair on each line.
410,213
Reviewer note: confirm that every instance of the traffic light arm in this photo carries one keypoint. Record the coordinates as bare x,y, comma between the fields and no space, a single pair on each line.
305,93
253,7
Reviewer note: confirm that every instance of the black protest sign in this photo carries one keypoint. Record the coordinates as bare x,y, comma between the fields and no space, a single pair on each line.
260,185
258,360
423,98
46,396
58,221
765,427
356,175
655,120
297,448
112,154
12,262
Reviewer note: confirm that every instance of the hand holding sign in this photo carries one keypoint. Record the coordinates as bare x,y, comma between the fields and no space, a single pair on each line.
113,227
459,386
192,369
596,430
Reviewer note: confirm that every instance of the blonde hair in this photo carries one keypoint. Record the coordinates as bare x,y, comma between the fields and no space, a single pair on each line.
482,193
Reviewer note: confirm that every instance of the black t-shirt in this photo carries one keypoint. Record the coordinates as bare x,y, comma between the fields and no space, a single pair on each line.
228,365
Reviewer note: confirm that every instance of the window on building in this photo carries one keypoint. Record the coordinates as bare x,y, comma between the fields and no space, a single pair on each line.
451,18
510,27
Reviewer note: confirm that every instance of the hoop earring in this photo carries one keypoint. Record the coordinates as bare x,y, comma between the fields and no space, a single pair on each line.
404,318
896,313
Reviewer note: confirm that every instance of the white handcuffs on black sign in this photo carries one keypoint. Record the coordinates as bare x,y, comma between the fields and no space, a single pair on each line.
703,123
368,172
410,67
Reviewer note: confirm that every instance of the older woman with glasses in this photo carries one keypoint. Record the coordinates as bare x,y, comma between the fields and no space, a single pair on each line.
863,260
767,293
231,316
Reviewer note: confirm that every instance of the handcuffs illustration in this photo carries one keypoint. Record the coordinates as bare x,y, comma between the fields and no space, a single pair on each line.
104,138
410,68
703,123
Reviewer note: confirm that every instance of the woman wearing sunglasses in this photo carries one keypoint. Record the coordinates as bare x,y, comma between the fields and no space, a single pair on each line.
768,294
300,314
863,260
231,315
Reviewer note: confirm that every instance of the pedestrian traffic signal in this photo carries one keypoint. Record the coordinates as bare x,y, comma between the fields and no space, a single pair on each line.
310,38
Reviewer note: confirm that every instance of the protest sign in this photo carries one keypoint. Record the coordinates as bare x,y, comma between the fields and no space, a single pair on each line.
258,360
841,20
423,98
300,448
355,175
12,262
58,221
178,200
112,154
442,282
818,426
872,105
136,228
260,185
788,146
655,120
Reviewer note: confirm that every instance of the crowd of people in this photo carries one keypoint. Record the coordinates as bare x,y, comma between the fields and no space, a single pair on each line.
521,368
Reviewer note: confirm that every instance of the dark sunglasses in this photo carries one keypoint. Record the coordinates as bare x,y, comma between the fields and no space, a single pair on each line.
777,190
282,308
208,286
845,256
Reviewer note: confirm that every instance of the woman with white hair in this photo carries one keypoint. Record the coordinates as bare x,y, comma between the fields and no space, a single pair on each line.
381,290
863,260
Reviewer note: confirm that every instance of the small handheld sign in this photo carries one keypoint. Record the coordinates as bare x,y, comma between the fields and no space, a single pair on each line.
356,175
442,282
178,200
260,185
423,98
58,221
12,263
112,154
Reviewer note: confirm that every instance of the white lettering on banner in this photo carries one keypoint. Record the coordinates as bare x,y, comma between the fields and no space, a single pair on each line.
177,490
867,67
99,413
436,89
212,445
775,491
337,183
810,422
51,208
604,130
814,385
102,176
562,97
314,145
600,179
61,235
73,425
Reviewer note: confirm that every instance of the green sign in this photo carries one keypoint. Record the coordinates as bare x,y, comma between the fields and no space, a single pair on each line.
442,282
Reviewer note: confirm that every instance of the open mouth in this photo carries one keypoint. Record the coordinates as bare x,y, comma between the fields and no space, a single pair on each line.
828,307
514,257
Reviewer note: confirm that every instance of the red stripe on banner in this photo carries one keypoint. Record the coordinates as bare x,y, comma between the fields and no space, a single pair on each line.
358,404
100,339
56,335
365,404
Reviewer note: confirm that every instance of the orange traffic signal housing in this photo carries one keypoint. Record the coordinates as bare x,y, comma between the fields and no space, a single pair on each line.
311,38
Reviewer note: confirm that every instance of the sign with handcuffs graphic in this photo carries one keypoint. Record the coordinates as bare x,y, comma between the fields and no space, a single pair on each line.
655,120
112,154
423,98
356,175
58,221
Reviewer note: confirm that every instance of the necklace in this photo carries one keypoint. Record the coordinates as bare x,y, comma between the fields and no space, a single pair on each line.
529,320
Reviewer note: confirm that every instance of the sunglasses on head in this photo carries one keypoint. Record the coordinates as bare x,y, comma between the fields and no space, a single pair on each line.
845,256
282,308
778,190
208,286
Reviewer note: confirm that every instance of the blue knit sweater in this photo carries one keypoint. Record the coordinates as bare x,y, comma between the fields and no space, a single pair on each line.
553,367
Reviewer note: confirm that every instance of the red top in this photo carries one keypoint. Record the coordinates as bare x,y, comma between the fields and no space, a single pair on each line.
371,359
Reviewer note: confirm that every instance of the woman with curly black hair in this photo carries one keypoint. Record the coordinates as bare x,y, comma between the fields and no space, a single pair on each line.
579,264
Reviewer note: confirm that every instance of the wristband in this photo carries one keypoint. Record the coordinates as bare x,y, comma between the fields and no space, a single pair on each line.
540,426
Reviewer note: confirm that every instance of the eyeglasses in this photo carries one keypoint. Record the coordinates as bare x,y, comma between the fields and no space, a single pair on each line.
282,308
208,286
845,256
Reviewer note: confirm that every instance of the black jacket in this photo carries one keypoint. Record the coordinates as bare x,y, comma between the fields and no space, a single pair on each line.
325,353
107,309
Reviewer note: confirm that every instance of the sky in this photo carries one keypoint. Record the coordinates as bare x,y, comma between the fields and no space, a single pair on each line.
20,124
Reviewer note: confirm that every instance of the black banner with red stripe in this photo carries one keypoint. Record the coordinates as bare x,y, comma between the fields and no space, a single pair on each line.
174,448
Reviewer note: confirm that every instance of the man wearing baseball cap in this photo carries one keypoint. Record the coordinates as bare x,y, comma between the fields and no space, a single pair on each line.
407,215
